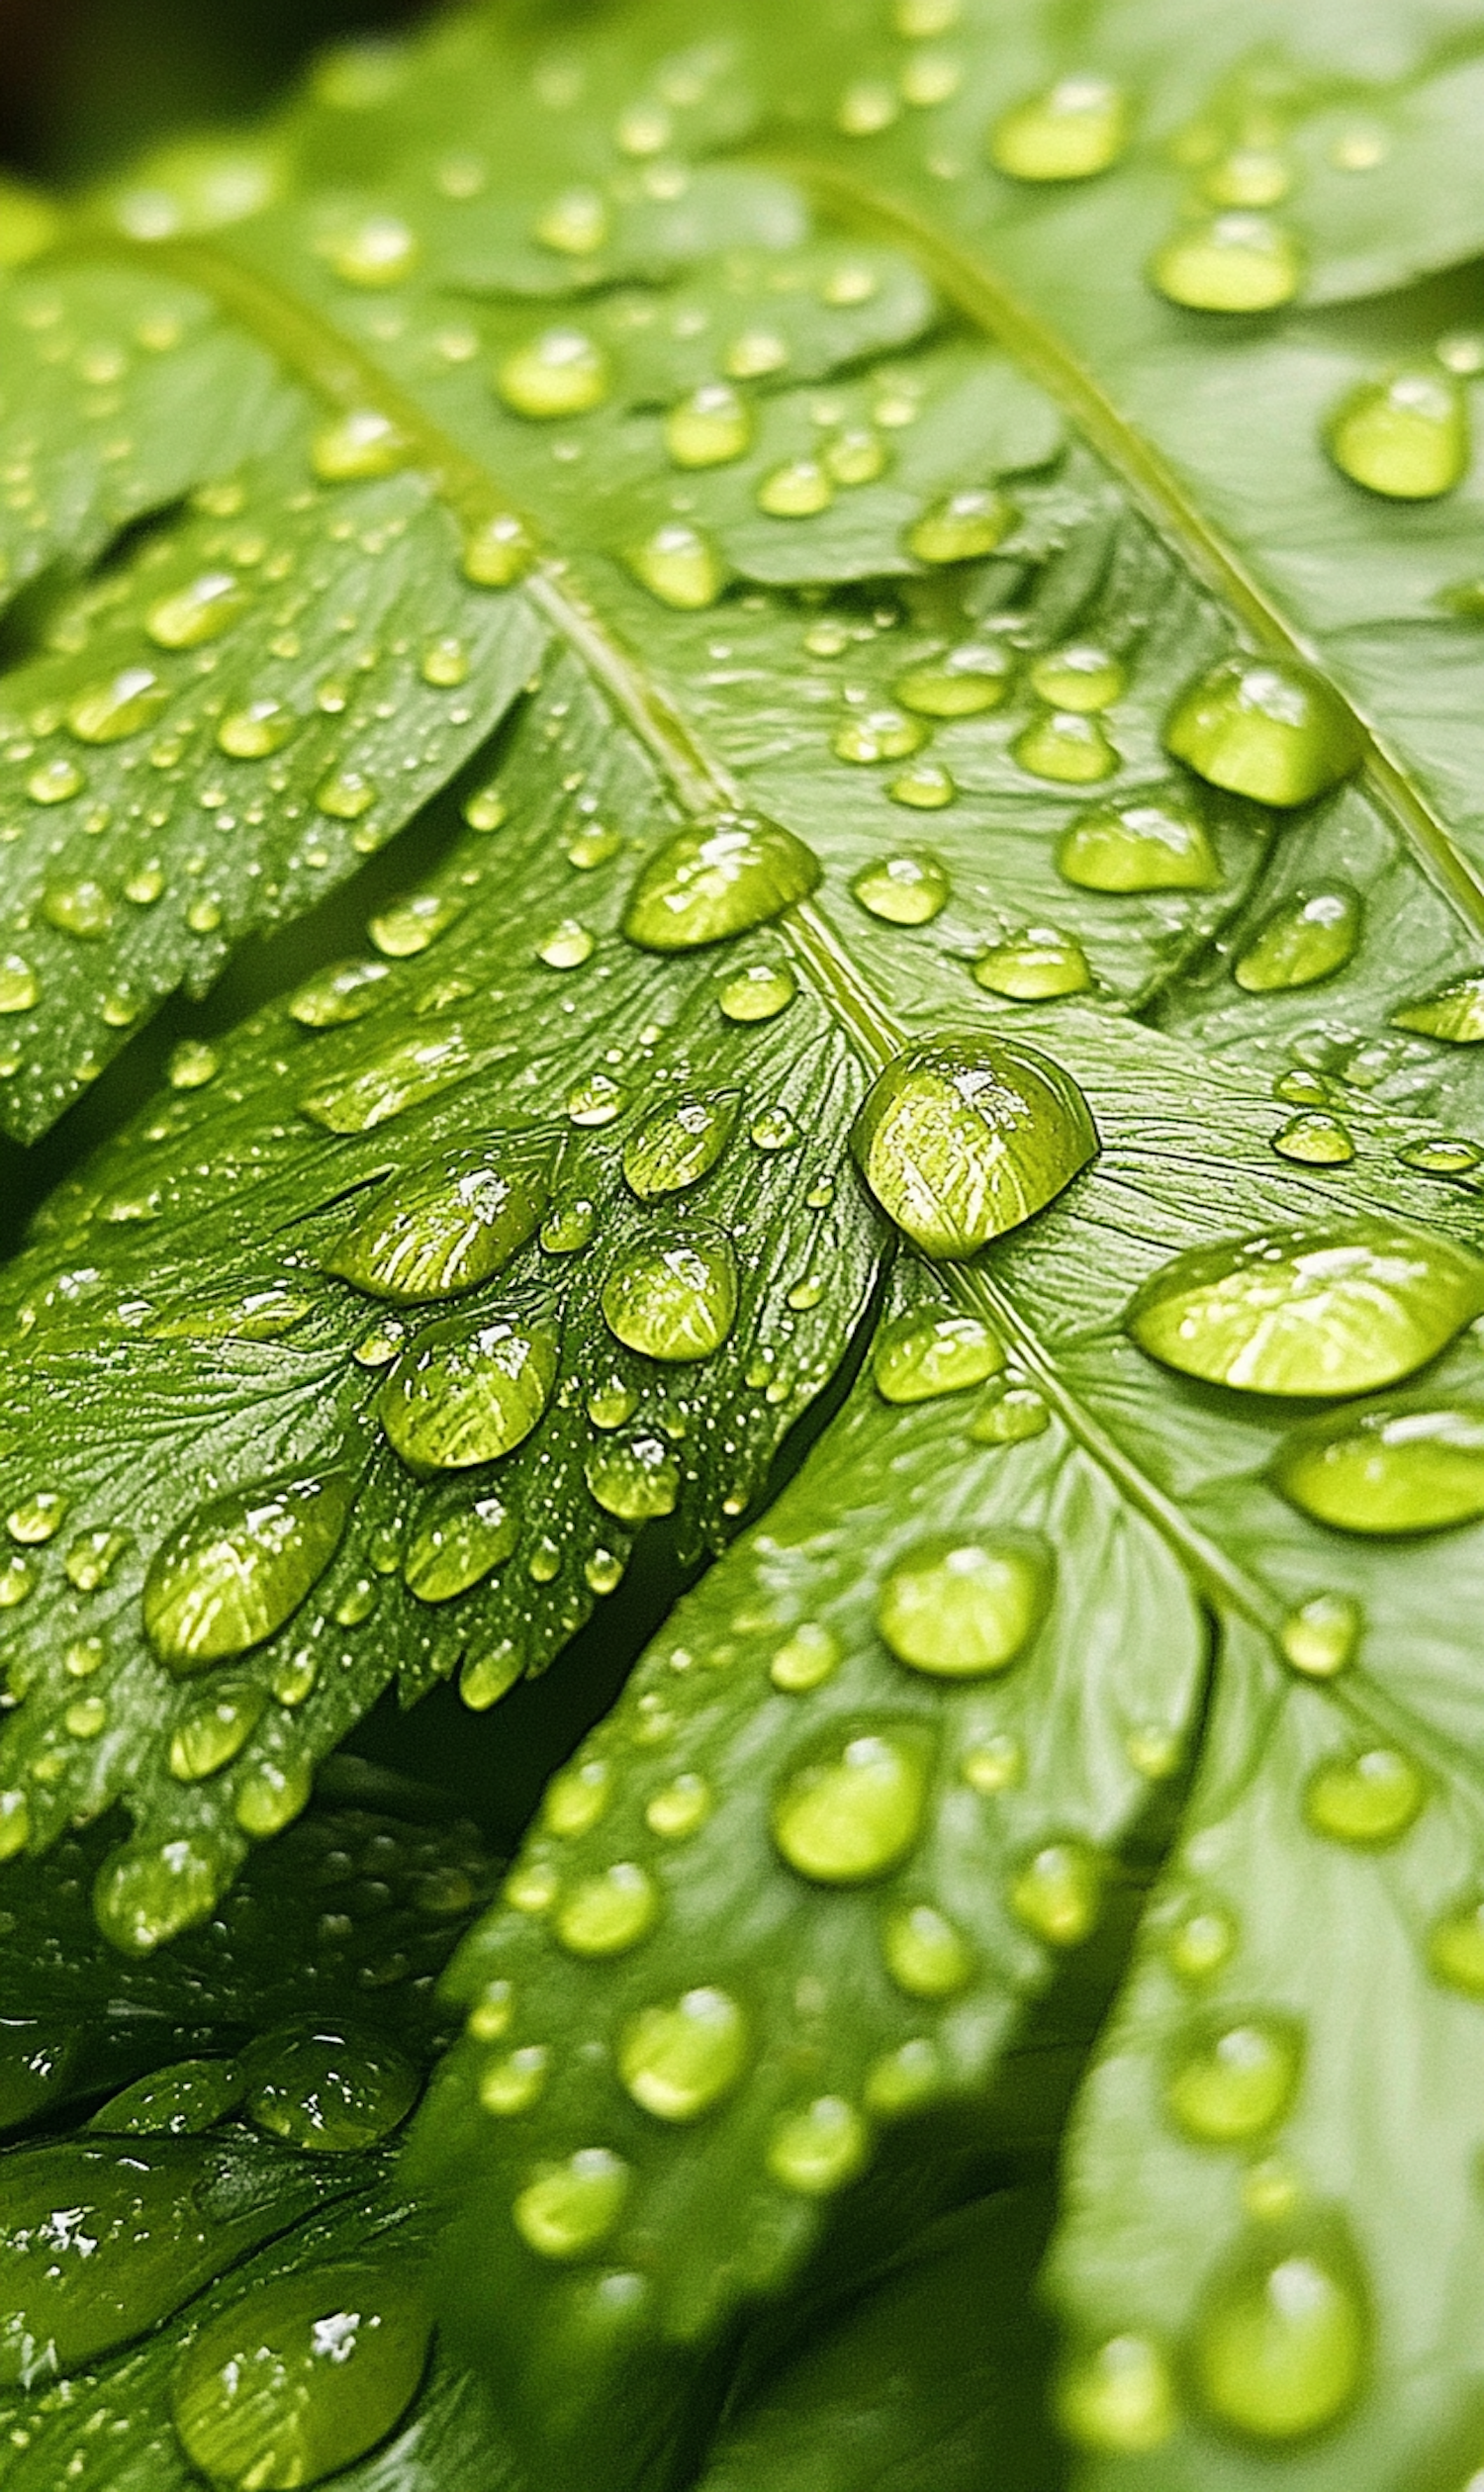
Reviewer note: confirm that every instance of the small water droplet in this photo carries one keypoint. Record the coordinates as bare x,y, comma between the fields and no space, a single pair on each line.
567,945
179,2100
146,1894
595,1102
754,353
1282,2341
1442,1155
92,1558
1250,177
1238,260
1320,1636
1370,1796
120,707
489,2016
346,795
796,490
1139,848
855,1809
251,733
924,785
1453,1011
678,2061
338,996
1118,2397
958,1609
1233,2080
569,1226
1058,1892
680,1808
819,2149
575,222
1406,436
963,526
1416,1467
569,2209
717,878
932,1351
577,1798
1311,936
759,993
673,1299
359,445
561,372
877,735
635,1480
272,1796
1317,1141
1069,746
607,1914
38,1518
809,1657
1070,130
854,456
231,1574
1201,1942
1033,965
444,1228
203,610
905,890
512,2084
461,1394
193,1064
53,781
81,908
925,1954
444,662
676,1145
961,684
20,986
963,1139
1077,676
456,1546
709,429
378,252
1344,1309
496,553
680,566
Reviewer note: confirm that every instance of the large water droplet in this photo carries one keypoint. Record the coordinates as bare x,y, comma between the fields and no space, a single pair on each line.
1319,1637
855,1809
1237,262
759,993
1235,2079
442,1228
931,1352
1315,1140
709,428
608,1915
819,2149
1405,437
907,891
717,878
678,1142
1346,1308
567,2209
961,684
676,2061
1310,937
210,1734
462,1393
1264,728
636,1481
456,1546
251,733
301,2377
1118,2397
146,1893
327,2090
1414,1467
675,1298
562,372
231,1574
963,1139
1058,1892
1370,1796
1453,1011
963,526
175,2102
121,707
925,1954
1033,965
1077,676
680,566
1283,2338
1139,848
1068,131
960,1608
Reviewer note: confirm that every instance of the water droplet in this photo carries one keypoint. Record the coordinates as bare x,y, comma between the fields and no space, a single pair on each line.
253,733
338,996
235,1569
356,445
562,372
809,1657
1033,965
1297,1311
16,1583
925,1955
680,1808
577,1798
924,785
675,1298
462,1393
1406,436
327,2090
717,878
1370,1796
491,2014
675,1146
637,1480
210,1734
1139,848
127,702
575,222
961,684
855,1809
678,2061
53,781
710,428
1118,2398
81,908
570,2208
568,1226
963,1139
379,251
877,735
1317,1141
753,353
1077,676
1232,2080
38,1520
512,2085
1058,1892
1235,261
92,1558
443,1228
1418,1468
1319,1637
796,491
905,890
1282,2341
931,1352
759,993
272,1796
1310,937
963,526
193,1064
495,555
147,1895
455,1547
1069,746
819,2149
959,1609
19,983
1442,1155
444,662
14,1823
1068,131
855,456
1008,1415
610,1914
346,795
1454,1012
905,2080
175,2102
203,610
301,2375
597,1101
1250,177
680,567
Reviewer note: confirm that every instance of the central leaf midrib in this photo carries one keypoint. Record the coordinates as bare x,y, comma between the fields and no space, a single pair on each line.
345,378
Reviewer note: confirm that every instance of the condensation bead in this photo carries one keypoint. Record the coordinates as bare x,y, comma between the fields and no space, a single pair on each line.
928,1352
810,1655
604,1915
925,1954
963,1609
231,1573
1077,676
908,890
1234,2081
717,878
569,2209
817,2150
1069,746
1139,848
678,2061
1370,1796
855,1809
680,567
1405,437
1033,967
709,429
1284,2338
561,372
1417,1467
1118,2397
1239,260
1067,134
963,526
1058,1892
962,683
963,1140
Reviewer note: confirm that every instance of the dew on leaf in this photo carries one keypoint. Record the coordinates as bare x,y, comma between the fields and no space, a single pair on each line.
1034,965
1454,1012
680,1808
178,2100
708,428
235,1569
963,1139
594,1102
200,611
1202,1941
20,988
1250,177
496,553
1316,1141
1069,746
926,1955
759,993
1118,2397
489,2016
380,251
855,1809
1406,436
53,781
1282,2341
962,683
963,526
1417,1467
754,353
1319,1637
607,1914
272,1796
1238,260
1008,1415
569,2209
961,1609
680,566
576,1798
903,890
444,662
212,1733
637,1479
924,785
877,735
1264,728
575,222
796,490
1442,1155
1344,1309
1068,131
560,372
674,1299
1310,937
717,878
1058,1892
809,1657
146,1893
357,445
192,1064
678,2061
121,705
442,1228
346,795
1455,1949
38,1518
1139,848
81,908
817,2150
462,1393
327,2089
774,1130
1370,1796
931,1352
855,456
251,733
906,2079
568,1226
513,2083
456,1546
1077,676
676,1145
1232,2080
565,945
